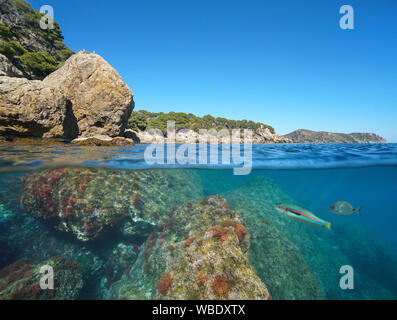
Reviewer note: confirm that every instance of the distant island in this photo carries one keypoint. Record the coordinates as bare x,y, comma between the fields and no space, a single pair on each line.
308,136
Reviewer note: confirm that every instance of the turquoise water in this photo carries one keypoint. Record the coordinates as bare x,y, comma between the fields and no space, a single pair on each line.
105,179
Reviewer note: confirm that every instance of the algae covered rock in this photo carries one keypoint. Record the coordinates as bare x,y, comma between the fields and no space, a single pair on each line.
103,141
201,253
119,263
276,244
90,203
21,280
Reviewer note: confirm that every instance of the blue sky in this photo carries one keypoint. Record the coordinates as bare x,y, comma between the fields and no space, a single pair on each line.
284,63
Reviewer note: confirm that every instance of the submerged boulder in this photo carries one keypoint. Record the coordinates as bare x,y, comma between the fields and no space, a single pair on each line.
279,245
21,280
201,253
89,203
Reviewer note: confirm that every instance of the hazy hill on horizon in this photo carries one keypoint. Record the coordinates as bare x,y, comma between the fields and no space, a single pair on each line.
309,136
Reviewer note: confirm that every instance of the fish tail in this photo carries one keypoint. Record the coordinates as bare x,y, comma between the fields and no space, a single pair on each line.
327,225
358,211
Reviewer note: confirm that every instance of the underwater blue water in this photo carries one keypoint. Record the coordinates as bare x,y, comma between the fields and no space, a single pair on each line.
372,188
314,175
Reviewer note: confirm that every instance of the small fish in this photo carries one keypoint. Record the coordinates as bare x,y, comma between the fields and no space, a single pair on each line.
303,216
344,208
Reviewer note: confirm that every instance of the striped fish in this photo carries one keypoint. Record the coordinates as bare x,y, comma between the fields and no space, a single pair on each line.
303,216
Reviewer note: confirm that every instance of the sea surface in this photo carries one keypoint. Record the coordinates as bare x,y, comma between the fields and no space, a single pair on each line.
39,224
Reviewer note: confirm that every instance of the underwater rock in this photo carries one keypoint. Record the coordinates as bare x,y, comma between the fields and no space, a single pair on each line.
90,203
118,264
201,253
297,261
274,252
21,280
24,238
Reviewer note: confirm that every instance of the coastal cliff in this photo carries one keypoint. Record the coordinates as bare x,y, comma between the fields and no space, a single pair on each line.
148,127
47,91
26,50
308,136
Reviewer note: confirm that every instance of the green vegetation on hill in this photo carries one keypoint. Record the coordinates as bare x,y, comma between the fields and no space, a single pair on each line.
142,120
308,136
33,17
11,49
5,32
41,63
30,48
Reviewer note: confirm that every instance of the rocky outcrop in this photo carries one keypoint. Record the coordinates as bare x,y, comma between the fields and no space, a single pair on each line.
367,138
102,102
8,69
103,141
308,136
201,253
85,97
266,136
148,127
262,135
29,108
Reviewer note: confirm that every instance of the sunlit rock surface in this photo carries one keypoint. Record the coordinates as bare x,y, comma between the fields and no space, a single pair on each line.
201,253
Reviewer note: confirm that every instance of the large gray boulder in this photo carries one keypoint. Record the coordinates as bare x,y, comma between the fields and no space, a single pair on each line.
102,102
85,97
28,108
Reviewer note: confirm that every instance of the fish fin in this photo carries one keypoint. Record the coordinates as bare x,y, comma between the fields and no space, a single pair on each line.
327,225
358,211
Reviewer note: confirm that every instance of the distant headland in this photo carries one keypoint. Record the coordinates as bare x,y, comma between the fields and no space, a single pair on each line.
308,136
